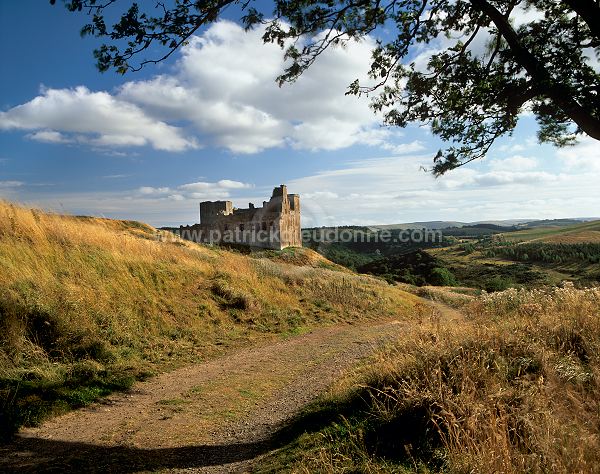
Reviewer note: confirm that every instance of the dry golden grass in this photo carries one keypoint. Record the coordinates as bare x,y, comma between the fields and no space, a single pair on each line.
590,236
512,388
300,257
84,300
453,296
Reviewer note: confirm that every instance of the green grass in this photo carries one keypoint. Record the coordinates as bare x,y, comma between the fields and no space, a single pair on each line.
174,402
246,393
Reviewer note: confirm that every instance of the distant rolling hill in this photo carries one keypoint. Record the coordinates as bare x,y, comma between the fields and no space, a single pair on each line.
521,223
578,233
421,225
529,257
554,222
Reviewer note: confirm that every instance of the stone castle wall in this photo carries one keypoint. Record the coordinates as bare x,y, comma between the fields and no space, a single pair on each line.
275,225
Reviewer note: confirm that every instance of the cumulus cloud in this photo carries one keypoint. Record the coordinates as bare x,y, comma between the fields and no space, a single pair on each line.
514,163
49,136
222,92
198,190
582,157
229,184
10,184
95,117
235,102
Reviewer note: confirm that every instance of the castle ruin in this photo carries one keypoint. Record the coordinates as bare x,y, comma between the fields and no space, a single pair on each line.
275,225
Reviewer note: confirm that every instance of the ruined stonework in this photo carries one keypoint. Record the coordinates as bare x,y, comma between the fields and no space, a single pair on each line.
275,225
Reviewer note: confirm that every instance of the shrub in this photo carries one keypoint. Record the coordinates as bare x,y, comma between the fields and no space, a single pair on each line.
497,283
441,276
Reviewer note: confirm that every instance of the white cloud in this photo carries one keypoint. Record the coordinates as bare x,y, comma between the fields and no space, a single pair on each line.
235,102
10,184
177,197
132,140
514,163
94,117
367,192
223,91
321,195
150,191
229,184
113,152
522,15
49,136
479,46
200,190
10,189
498,178
198,187
404,148
392,190
582,157
514,148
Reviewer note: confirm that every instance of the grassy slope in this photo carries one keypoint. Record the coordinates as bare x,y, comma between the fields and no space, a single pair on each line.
477,270
512,387
87,305
586,232
475,267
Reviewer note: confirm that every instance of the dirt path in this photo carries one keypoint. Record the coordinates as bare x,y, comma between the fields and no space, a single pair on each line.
213,417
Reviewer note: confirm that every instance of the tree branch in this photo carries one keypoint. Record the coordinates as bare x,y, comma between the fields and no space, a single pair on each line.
589,11
544,82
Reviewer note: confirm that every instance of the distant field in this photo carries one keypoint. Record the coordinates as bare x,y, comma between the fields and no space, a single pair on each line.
530,258
586,232
484,256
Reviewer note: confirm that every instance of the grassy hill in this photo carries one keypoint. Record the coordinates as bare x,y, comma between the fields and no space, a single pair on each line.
483,255
501,382
88,305
509,384
586,232
527,258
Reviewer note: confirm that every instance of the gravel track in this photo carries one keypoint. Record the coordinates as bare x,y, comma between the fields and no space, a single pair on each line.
216,416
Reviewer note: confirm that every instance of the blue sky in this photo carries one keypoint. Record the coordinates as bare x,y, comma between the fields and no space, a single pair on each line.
210,123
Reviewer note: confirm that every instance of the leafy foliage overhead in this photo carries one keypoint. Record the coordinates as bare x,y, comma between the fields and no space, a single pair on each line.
541,55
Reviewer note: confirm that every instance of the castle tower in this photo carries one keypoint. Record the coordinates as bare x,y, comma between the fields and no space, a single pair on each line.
211,211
